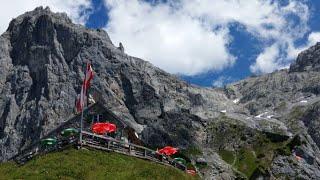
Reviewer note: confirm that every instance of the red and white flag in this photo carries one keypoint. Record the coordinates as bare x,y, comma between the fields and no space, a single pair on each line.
81,99
89,76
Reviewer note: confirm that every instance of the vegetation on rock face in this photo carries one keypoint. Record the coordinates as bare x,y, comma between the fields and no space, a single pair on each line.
224,133
192,151
229,91
85,164
293,118
281,107
188,153
248,151
227,156
246,162
250,159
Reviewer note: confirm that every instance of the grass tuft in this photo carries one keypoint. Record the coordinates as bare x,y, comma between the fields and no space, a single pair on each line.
89,164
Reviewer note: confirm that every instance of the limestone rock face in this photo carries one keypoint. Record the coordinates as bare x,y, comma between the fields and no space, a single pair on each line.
42,62
308,60
42,58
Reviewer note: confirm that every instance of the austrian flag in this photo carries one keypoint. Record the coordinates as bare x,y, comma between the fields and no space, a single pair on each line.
89,76
81,99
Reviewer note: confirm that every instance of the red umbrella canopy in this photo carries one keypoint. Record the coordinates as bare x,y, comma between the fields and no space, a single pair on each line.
168,150
102,128
110,127
191,172
98,128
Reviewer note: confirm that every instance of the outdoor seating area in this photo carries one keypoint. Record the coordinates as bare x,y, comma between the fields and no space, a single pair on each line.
95,126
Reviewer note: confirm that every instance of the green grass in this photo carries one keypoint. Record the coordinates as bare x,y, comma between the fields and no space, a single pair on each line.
88,164
246,162
192,151
227,156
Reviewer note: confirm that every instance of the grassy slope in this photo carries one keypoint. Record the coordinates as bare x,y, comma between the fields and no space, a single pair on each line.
85,164
249,157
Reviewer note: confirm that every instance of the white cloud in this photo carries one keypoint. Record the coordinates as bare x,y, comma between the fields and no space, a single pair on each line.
221,81
313,38
293,51
168,37
267,60
272,58
255,15
13,8
192,37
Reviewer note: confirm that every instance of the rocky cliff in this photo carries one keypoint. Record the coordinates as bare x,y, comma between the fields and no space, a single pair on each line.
42,56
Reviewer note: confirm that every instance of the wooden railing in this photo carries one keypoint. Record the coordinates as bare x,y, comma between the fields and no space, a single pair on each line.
72,121
111,144
103,143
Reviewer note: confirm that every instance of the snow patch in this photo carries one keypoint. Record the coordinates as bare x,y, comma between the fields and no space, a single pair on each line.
270,116
236,101
260,115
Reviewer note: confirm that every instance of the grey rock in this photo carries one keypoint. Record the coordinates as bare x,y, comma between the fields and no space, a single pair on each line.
42,59
121,48
201,161
308,60
42,67
305,168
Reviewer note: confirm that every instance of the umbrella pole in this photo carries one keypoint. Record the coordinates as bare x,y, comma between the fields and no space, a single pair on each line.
81,126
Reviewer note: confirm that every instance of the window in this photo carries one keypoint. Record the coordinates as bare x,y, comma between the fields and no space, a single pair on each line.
97,118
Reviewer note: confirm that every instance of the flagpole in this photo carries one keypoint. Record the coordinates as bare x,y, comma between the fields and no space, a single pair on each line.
81,127
82,109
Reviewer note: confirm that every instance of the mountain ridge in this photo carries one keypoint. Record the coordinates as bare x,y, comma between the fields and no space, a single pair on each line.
41,63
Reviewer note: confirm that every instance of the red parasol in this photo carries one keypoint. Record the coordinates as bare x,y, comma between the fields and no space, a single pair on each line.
168,150
98,128
110,127
102,128
191,172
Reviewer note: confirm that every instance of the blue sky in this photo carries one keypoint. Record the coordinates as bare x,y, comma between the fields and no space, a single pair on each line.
244,46
207,42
